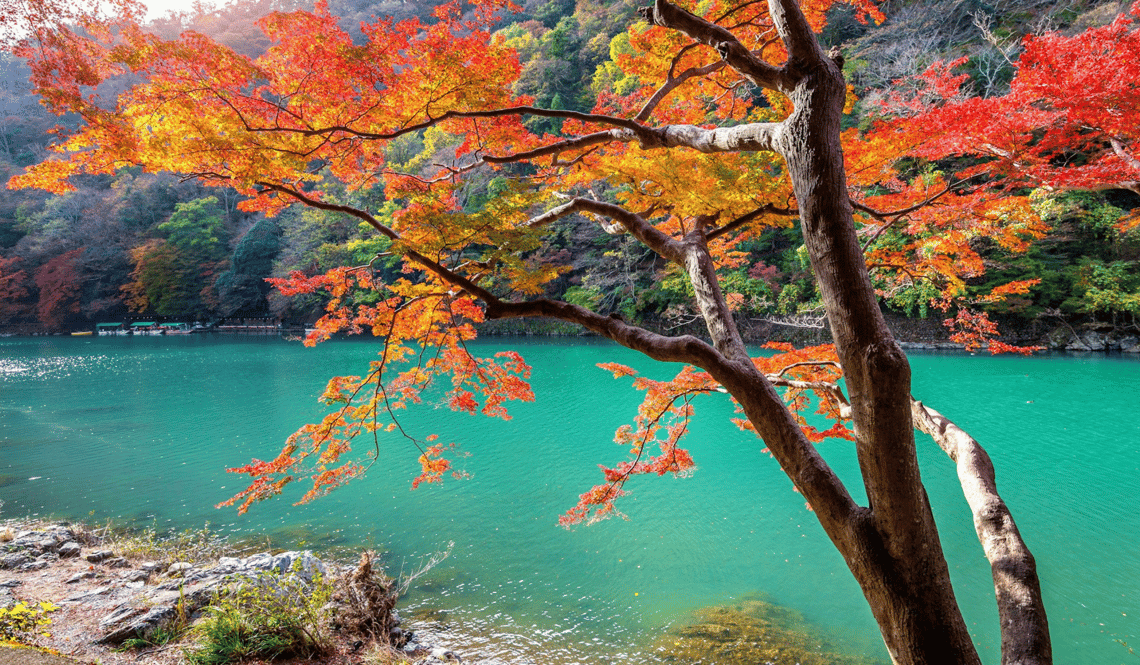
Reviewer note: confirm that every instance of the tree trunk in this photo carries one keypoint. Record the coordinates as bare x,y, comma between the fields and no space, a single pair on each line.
894,550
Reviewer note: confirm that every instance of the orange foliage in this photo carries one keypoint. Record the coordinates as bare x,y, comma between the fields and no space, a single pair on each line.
316,105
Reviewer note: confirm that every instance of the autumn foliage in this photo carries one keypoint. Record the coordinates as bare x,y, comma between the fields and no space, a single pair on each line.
59,283
317,106
718,122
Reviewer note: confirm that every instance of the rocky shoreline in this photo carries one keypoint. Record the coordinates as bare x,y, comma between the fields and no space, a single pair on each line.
104,599
911,333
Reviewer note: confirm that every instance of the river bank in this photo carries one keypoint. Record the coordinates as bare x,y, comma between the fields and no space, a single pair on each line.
911,333
130,599
91,605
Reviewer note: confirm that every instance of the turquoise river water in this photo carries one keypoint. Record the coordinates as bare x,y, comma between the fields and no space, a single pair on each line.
140,429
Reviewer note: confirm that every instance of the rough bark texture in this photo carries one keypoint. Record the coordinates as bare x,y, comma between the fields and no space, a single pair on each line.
1025,629
892,546
895,554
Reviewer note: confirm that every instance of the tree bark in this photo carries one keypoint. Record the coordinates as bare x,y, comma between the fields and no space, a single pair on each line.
1025,627
895,554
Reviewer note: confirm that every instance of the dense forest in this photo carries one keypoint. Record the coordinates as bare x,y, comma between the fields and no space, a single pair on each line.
138,245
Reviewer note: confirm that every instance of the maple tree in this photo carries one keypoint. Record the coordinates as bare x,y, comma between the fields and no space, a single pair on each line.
716,122
13,287
59,282
1068,122
172,273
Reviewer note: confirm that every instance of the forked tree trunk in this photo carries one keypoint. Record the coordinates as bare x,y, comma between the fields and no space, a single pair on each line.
896,555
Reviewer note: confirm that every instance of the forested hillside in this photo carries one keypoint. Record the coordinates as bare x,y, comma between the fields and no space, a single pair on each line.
137,245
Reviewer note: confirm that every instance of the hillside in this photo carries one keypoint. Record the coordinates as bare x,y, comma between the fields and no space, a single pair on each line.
140,246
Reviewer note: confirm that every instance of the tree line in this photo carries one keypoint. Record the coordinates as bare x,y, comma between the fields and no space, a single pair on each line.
136,244
715,136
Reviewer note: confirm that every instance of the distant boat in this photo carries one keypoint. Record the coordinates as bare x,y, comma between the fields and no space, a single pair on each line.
83,333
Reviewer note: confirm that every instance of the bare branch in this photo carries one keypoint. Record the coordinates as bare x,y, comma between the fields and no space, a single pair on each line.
1024,626
831,389
804,320
752,137
793,28
672,84
664,245
767,209
737,56
434,267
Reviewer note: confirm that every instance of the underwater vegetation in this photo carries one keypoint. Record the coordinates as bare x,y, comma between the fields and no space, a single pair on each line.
751,632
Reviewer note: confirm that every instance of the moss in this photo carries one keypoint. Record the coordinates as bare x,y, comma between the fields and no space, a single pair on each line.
749,632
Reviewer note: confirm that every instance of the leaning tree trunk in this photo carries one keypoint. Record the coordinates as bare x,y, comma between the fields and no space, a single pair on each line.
895,553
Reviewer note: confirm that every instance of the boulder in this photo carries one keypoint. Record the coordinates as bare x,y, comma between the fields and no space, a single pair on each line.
140,625
14,560
85,575
69,549
146,614
304,564
179,569
99,556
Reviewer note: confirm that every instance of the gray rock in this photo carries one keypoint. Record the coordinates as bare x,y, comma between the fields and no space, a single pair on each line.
14,560
302,563
35,565
147,614
439,654
179,569
118,562
85,575
262,561
99,556
119,615
140,626
88,596
70,549
1089,340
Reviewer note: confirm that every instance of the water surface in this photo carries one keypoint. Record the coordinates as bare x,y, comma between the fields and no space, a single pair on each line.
140,429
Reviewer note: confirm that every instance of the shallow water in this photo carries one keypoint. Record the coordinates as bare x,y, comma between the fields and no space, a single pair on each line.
141,429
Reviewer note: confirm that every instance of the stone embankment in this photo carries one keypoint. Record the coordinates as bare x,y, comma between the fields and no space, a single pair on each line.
104,599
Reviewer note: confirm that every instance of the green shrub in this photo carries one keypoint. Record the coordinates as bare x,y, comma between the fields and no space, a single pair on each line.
158,637
269,617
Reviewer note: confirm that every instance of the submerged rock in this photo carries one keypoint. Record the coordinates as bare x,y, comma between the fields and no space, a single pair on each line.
749,632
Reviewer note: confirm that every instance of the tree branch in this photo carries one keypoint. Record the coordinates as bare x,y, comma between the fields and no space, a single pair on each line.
434,267
672,84
664,245
737,56
799,39
753,137
767,209
1024,626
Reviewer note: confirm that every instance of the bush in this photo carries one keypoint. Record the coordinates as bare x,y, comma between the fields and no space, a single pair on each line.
21,622
271,616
